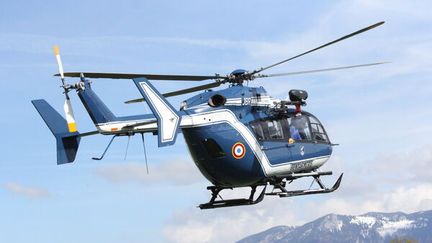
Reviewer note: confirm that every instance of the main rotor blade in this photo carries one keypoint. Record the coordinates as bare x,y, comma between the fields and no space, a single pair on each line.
193,89
319,70
182,91
322,46
138,75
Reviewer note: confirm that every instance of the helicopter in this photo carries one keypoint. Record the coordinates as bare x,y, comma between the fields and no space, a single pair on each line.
238,137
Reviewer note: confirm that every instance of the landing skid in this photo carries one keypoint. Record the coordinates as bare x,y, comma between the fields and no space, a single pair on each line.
213,203
279,189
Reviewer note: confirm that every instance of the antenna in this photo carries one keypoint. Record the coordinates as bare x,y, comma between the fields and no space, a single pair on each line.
145,153
127,147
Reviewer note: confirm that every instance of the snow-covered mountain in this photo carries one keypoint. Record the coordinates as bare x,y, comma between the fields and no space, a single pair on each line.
370,227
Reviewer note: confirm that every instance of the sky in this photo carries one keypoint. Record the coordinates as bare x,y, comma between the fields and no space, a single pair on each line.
379,115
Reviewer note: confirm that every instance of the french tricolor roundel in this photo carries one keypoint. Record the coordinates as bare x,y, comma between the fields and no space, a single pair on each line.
238,150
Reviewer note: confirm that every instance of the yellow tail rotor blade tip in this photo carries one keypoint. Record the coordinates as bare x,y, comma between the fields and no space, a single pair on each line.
56,50
72,127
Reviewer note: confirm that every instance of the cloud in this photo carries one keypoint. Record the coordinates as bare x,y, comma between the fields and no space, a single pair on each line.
26,191
232,224
228,224
410,166
387,164
402,198
42,43
404,40
392,182
172,172
362,100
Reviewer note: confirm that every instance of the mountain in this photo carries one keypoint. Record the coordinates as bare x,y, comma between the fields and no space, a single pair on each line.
366,228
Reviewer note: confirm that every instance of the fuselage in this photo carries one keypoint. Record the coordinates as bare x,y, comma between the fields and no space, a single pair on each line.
241,142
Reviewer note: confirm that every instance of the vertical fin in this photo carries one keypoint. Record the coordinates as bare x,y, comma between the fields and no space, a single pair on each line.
67,142
167,117
96,108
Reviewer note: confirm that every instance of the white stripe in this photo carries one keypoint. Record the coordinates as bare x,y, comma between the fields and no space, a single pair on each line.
227,116
253,101
169,119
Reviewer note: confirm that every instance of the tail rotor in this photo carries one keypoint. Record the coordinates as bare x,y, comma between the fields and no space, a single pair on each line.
70,119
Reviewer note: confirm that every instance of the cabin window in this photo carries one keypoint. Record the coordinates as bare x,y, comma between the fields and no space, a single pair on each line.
213,148
305,128
275,129
258,130
270,129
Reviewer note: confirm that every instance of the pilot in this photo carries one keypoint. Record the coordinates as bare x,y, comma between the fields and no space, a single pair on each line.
295,133
297,123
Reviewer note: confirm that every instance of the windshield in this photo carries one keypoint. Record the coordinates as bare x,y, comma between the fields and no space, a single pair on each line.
318,131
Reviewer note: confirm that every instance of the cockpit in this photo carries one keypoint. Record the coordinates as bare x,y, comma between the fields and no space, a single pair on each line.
301,127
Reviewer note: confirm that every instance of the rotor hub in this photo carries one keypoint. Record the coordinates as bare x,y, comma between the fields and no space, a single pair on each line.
239,76
238,72
77,86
